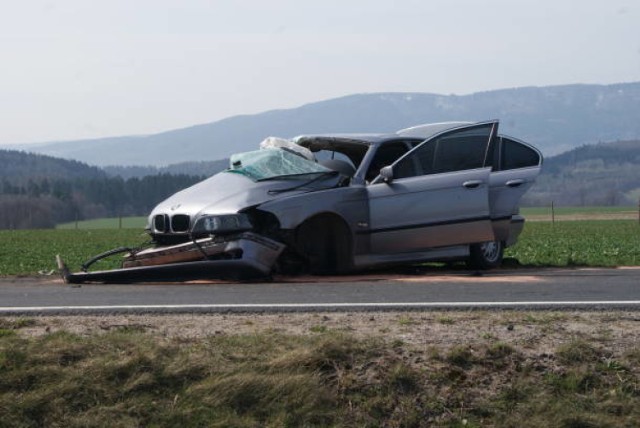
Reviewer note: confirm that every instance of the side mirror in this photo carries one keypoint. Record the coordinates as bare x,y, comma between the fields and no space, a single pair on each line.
387,174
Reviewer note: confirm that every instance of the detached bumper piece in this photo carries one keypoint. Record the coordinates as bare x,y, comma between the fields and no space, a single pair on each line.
247,256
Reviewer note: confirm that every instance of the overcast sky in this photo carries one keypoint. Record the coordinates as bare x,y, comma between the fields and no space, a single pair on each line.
81,68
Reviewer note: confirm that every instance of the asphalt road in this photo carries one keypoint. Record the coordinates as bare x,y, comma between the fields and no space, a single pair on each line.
515,289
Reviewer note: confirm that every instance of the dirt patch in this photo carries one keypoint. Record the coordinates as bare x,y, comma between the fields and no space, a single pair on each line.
535,332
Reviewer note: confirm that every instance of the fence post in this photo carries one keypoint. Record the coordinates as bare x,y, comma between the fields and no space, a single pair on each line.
120,222
553,214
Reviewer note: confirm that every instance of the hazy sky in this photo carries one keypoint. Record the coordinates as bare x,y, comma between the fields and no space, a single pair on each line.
86,68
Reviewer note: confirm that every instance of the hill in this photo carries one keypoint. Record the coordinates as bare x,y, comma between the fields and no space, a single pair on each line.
203,168
600,175
18,166
555,119
39,191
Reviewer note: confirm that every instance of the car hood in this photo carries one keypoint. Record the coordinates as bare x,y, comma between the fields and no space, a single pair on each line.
227,193
223,193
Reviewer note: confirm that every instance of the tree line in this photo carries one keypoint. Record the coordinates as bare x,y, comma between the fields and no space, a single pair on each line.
604,174
42,203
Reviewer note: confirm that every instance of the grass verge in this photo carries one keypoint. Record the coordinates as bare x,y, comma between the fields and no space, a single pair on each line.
133,377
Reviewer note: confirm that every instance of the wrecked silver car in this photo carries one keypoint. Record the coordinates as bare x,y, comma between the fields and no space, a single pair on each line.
339,203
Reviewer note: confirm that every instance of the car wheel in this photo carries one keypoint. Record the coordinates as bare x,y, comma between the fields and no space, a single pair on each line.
325,243
486,255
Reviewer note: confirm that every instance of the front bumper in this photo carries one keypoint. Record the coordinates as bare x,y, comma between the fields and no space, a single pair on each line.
246,256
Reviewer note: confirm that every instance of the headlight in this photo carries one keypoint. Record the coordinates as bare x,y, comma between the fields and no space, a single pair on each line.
221,224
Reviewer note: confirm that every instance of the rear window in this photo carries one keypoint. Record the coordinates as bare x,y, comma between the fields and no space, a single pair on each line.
517,155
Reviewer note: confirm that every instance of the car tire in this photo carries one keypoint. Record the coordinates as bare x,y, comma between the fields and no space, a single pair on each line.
325,243
486,255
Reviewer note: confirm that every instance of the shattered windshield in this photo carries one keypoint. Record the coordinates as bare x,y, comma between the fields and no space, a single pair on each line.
272,163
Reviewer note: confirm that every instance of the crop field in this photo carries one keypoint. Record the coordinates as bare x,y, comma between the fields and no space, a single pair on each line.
579,243
29,252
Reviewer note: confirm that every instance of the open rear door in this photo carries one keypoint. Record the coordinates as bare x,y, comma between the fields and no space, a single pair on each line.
516,166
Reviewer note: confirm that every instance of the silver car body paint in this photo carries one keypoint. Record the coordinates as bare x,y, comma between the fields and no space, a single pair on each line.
423,217
418,213
222,193
430,129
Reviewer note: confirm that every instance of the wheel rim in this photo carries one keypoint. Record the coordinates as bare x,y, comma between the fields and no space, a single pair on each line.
490,251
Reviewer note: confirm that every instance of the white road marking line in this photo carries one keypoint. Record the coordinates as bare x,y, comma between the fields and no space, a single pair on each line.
320,305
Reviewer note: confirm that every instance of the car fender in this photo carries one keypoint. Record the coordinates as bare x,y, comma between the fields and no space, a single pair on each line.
348,203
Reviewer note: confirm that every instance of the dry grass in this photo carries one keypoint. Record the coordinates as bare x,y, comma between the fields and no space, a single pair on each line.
474,369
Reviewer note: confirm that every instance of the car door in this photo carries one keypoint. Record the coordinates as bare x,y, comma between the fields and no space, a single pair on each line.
516,166
439,194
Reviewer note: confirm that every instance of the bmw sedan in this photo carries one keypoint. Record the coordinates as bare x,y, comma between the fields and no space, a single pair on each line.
345,202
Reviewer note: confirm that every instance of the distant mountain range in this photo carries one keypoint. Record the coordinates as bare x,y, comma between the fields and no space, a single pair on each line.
555,119
597,174
19,167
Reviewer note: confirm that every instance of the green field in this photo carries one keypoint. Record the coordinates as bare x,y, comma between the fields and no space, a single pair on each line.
28,252
579,243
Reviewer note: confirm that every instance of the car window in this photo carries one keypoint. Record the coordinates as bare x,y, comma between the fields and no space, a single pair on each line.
352,151
517,155
325,155
386,155
453,151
